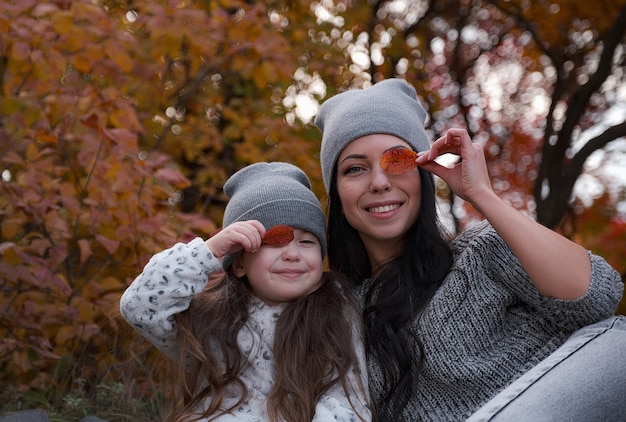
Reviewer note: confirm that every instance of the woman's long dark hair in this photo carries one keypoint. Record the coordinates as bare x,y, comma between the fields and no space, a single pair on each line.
312,350
401,291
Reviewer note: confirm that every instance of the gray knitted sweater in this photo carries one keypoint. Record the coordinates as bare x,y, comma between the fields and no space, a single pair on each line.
487,325
166,287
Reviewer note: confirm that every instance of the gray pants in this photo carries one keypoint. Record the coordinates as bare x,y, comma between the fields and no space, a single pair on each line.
583,380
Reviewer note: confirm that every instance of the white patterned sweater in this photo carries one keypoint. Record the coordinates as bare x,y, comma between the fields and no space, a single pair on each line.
166,286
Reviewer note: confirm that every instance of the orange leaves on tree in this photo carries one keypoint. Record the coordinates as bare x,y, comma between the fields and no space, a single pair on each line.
90,120
173,177
10,255
62,22
96,161
12,225
32,152
118,55
110,245
265,74
42,346
85,250
96,289
64,335
45,137
82,63
39,246
124,116
56,225
20,51
48,279
123,137
77,209
278,236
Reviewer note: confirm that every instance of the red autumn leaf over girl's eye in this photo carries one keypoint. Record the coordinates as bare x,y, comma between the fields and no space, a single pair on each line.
280,235
398,160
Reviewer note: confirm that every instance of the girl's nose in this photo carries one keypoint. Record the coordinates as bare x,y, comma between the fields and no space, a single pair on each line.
291,252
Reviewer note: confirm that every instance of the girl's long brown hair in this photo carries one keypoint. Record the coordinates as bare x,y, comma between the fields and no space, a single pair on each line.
312,349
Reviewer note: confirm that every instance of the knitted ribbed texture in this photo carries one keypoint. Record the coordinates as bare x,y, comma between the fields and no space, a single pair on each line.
273,193
487,325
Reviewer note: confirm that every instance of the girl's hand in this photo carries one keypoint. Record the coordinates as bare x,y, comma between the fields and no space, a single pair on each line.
468,178
244,235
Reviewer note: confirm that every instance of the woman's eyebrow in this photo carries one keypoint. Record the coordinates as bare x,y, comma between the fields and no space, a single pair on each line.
397,146
354,156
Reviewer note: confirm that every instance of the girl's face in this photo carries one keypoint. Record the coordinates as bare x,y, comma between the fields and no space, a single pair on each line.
381,207
283,273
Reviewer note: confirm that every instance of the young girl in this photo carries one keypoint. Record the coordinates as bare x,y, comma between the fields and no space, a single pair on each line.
274,338
449,325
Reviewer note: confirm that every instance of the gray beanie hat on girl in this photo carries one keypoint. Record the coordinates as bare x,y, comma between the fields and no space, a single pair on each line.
273,193
388,107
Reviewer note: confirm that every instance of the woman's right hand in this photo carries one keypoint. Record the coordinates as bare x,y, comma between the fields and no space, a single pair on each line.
468,178
557,266
246,235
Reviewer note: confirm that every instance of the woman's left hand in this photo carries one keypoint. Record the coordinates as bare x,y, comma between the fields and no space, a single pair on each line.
468,178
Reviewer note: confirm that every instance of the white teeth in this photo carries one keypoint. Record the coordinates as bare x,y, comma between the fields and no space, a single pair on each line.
385,208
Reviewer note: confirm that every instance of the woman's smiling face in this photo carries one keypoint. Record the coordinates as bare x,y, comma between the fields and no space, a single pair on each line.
380,206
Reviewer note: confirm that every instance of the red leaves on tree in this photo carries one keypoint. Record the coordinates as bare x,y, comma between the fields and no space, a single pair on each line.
280,235
398,160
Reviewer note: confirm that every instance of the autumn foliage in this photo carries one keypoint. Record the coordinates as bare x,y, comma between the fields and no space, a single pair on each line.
118,127
121,120
82,202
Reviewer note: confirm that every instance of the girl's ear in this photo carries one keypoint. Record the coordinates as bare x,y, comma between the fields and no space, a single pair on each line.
238,267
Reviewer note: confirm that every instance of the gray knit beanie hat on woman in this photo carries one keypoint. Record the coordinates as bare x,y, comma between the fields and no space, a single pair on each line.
388,107
273,193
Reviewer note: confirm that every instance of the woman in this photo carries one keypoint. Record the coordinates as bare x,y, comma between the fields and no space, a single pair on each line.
448,324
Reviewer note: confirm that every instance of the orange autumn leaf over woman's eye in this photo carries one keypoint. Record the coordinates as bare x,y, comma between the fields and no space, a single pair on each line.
398,160
280,235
